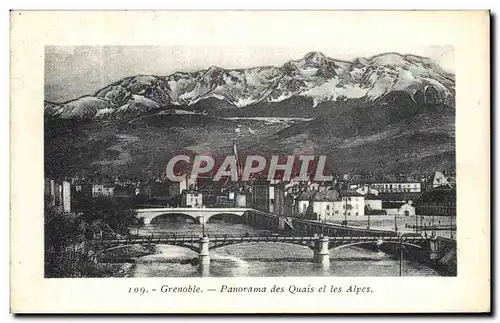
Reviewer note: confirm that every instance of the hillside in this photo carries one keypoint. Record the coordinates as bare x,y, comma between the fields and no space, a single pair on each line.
384,136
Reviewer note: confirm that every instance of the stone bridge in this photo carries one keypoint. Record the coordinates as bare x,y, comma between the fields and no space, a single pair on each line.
200,215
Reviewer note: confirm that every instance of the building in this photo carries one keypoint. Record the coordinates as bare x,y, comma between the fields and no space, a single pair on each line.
223,201
241,198
102,190
320,186
210,189
437,203
352,203
397,187
125,191
324,205
399,197
330,205
366,189
436,180
232,197
295,187
372,203
108,190
59,193
320,204
83,191
260,195
191,198
399,209
159,191
145,191
189,183
303,201
290,205
451,176
66,197
277,199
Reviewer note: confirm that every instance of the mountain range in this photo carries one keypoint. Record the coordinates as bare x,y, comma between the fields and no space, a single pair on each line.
312,80
386,113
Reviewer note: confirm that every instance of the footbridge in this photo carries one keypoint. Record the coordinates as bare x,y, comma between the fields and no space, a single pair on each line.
321,245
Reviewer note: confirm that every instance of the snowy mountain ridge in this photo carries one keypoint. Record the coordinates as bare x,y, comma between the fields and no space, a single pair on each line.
315,76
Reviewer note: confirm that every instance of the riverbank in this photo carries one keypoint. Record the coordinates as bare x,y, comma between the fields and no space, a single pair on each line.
116,270
120,261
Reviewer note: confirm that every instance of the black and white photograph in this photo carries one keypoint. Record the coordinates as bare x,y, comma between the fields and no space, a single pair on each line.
250,161
164,161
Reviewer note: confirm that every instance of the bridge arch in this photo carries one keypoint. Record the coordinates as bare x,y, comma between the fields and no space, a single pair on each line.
155,218
222,215
305,244
201,215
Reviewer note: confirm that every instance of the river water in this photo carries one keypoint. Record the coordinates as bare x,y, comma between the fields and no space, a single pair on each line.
263,259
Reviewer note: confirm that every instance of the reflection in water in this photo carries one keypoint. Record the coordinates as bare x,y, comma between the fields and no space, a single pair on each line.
267,259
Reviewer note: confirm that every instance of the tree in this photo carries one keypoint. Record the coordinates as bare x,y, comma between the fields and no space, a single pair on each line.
310,212
66,252
117,214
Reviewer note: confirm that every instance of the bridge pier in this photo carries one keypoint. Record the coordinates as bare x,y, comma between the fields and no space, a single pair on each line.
204,253
200,220
321,253
204,270
433,250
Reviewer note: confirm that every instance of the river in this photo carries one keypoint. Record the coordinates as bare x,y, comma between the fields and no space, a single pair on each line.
263,259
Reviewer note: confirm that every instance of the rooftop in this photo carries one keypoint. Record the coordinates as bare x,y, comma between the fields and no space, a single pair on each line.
306,195
349,193
391,205
399,196
330,195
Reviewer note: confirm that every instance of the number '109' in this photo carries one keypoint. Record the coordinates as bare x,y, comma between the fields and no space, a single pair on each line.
137,290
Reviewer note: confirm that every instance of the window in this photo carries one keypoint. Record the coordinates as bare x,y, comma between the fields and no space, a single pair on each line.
328,207
357,213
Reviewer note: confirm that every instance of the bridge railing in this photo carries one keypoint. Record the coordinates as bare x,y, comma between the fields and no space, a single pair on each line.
339,230
219,234
222,238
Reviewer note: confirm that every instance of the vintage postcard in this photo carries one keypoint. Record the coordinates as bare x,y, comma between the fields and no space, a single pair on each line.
250,162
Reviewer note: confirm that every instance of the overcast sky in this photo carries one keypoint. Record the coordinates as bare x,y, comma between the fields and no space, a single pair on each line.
71,72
